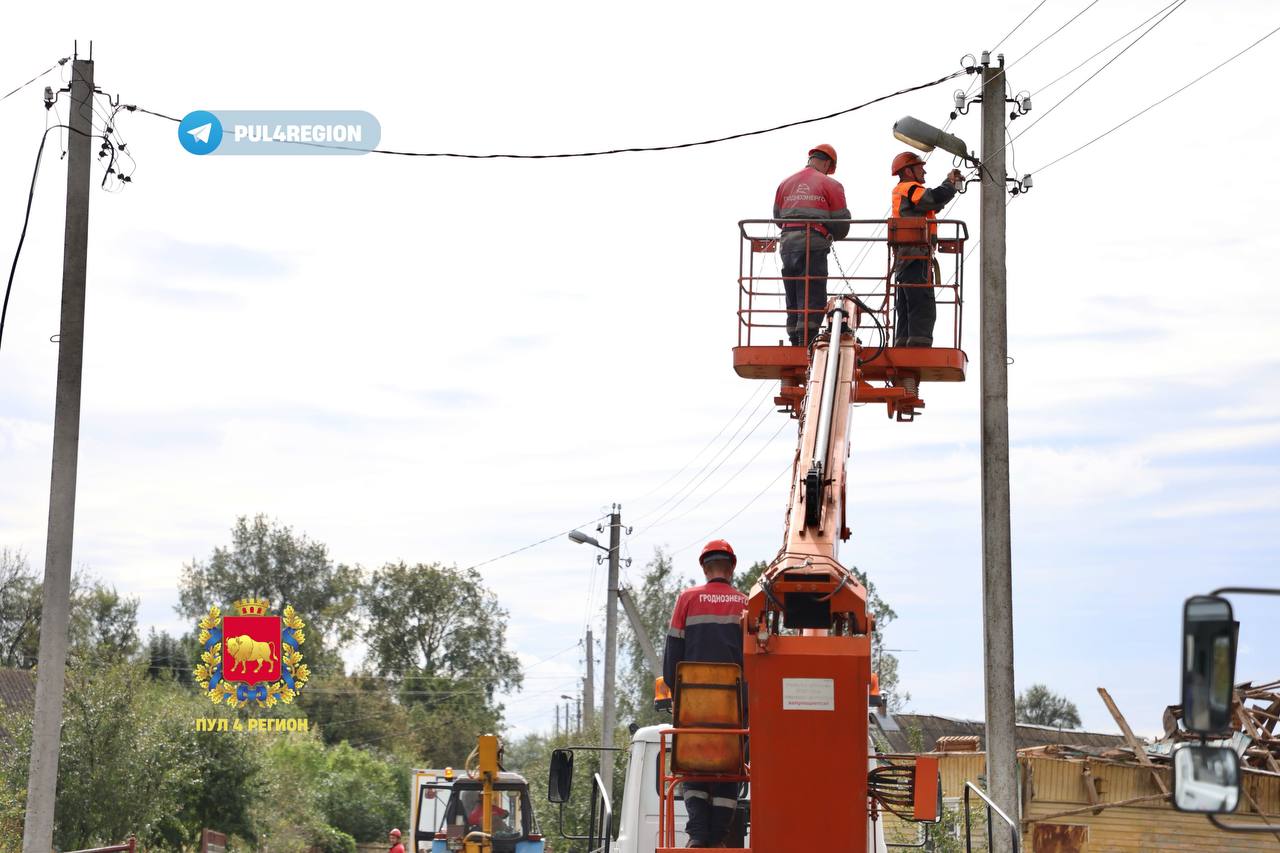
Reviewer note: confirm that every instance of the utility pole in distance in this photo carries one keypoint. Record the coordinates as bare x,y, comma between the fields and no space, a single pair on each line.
997,555
589,684
37,831
610,649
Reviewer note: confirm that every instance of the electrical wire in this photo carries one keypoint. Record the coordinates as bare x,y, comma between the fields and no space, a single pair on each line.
731,518
1020,23
63,61
763,447
1042,89
697,455
760,397
767,414
532,544
1104,67
629,150
22,236
1051,35
1147,109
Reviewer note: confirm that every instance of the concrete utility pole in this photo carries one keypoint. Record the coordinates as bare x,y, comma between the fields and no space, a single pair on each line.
589,684
610,648
557,728
37,831
997,557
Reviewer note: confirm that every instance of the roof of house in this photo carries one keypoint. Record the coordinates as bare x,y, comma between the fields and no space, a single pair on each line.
933,726
17,688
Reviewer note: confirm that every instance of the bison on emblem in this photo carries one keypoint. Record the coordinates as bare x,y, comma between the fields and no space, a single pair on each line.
245,650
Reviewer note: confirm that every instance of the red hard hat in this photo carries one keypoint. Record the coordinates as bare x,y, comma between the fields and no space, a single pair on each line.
905,159
719,546
395,832
830,152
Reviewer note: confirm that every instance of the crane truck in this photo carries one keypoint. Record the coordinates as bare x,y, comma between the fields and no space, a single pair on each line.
814,778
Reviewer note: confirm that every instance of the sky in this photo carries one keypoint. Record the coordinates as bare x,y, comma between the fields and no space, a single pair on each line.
442,360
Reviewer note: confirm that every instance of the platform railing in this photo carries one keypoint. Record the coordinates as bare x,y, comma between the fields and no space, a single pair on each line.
992,808
866,272
669,779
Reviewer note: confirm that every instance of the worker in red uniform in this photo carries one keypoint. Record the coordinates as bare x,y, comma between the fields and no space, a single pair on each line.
396,846
810,194
706,626
916,307
476,816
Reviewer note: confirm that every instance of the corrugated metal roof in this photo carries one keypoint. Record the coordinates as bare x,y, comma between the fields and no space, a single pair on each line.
934,726
17,688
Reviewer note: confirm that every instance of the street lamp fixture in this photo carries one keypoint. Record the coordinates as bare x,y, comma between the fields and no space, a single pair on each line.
926,137
584,539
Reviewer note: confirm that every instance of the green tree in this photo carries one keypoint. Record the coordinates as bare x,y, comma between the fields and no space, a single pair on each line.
1040,706
439,635
655,599
745,580
19,610
359,709
267,559
361,794
884,663
166,658
103,623
131,762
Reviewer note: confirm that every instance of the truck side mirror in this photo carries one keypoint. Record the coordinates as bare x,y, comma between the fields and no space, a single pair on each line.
1206,779
1208,664
560,776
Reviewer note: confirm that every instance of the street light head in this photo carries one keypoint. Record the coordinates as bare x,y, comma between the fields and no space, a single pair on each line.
583,539
926,137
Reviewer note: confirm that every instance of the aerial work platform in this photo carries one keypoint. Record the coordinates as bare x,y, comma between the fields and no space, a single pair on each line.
865,272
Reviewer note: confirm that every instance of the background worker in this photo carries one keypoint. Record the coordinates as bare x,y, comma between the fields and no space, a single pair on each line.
706,626
916,307
809,194
396,846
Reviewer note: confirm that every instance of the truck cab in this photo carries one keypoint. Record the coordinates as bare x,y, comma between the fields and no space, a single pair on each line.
638,811
515,829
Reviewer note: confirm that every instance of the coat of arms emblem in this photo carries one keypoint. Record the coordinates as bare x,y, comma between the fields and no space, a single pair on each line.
252,655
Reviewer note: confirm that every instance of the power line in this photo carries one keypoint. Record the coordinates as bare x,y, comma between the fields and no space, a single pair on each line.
1042,89
630,150
63,61
532,544
751,396
1052,34
763,447
1020,23
26,218
726,458
1159,102
744,508
1104,67
680,493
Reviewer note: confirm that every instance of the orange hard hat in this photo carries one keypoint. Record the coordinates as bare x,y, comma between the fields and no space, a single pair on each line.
905,159
720,548
827,151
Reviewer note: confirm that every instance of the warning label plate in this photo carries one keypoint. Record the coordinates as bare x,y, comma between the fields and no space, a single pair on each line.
808,694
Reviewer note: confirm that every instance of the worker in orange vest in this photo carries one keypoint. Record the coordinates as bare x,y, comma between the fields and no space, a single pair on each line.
916,308
813,195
